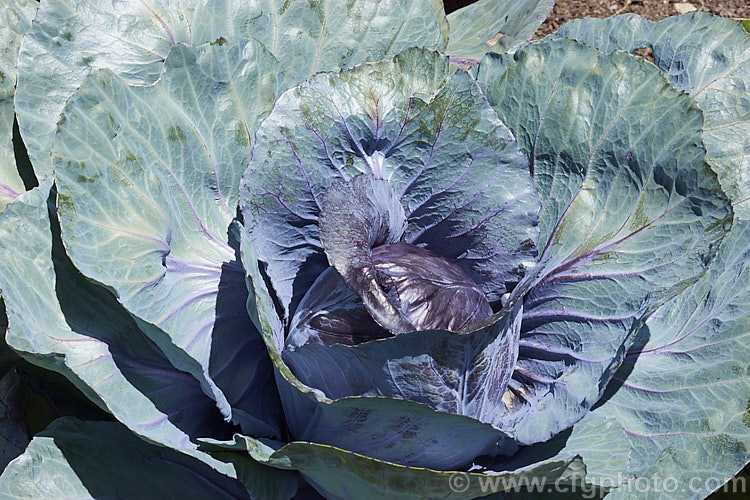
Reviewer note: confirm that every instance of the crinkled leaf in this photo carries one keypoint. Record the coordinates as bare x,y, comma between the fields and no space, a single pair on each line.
147,180
73,459
631,215
683,392
388,429
432,292
494,26
70,39
15,21
424,128
341,474
463,374
313,36
707,57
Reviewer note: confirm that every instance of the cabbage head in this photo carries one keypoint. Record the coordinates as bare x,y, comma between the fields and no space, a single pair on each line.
359,249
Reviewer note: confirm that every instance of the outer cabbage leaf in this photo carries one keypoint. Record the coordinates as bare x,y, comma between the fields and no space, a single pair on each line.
309,37
401,431
81,460
60,320
631,215
360,476
70,39
707,57
601,443
421,126
147,180
683,392
494,26
15,21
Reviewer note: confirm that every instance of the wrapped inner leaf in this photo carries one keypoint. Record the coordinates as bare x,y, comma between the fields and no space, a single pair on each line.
432,292
413,123
402,286
355,217
331,313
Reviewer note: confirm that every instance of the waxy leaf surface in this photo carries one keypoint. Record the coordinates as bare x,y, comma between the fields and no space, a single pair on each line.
69,39
709,58
15,21
69,461
631,216
147,180
683,392
494,26
420,125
